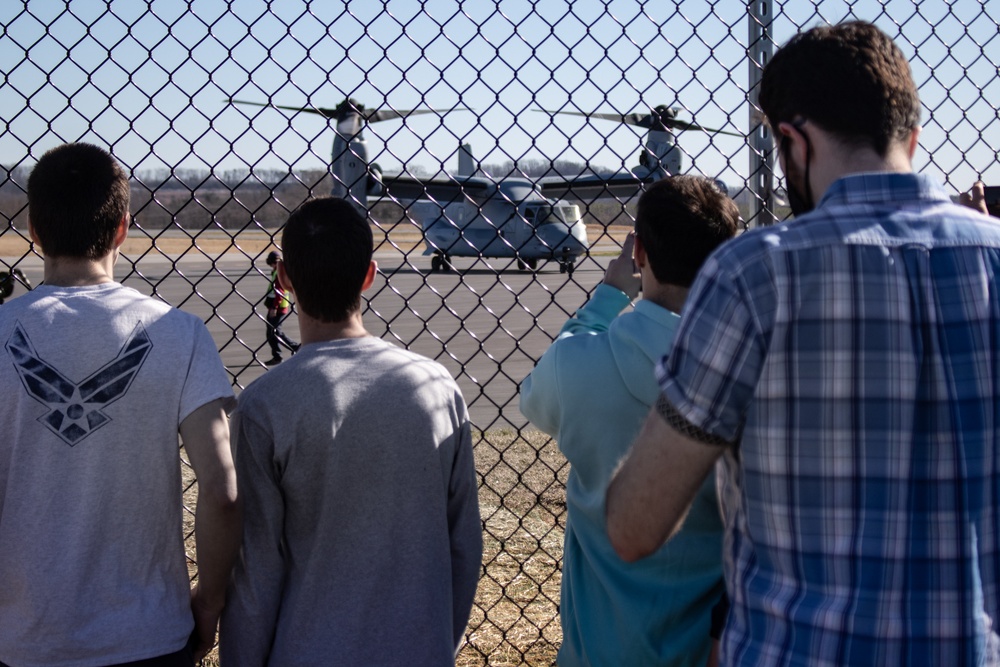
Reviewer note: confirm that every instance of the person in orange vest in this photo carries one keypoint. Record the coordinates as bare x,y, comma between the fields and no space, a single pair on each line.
278,306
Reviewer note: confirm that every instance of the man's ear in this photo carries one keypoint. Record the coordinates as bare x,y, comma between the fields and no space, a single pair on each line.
639,252
283,279
370,275
121,232
32,234
798,149
914,136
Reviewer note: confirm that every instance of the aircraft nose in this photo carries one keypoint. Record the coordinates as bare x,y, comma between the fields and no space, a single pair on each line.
561,240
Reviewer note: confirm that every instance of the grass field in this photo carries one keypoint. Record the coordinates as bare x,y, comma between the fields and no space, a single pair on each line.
515,618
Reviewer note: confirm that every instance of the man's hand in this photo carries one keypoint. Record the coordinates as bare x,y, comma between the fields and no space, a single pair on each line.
206,622
622,273
975,198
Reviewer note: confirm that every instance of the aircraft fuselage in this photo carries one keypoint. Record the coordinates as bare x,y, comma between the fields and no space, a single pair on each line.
515,221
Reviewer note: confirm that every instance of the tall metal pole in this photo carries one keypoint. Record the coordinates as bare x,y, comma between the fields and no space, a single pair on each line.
761,47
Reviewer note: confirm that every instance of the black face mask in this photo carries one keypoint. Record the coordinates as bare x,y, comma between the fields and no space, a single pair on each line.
799,203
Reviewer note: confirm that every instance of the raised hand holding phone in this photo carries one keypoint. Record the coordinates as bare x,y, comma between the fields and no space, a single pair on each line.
622,272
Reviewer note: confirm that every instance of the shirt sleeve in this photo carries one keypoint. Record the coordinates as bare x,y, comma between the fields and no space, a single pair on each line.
596,315
539,392
253,603
465,528
713,369
207,379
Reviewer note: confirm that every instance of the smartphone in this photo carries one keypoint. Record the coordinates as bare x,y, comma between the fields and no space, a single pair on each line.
993,199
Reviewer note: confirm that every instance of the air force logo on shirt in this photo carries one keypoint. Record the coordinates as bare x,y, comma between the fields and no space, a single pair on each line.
75,409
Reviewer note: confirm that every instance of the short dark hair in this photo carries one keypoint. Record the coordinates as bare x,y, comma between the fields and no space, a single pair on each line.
680,221
77,196
850,79
328,247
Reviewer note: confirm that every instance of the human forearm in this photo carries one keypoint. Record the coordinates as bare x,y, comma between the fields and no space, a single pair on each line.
218,515
218,528
651,492
218,531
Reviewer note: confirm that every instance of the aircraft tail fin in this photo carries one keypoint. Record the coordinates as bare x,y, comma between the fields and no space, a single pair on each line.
466,161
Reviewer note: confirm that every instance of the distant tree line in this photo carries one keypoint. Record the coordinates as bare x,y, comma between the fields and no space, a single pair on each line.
235,200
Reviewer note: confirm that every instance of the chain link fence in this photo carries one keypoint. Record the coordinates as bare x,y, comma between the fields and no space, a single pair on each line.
541,91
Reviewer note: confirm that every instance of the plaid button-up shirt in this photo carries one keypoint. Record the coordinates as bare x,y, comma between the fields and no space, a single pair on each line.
853,357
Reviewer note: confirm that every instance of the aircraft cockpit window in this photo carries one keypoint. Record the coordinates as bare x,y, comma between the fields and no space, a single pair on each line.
543,215
571,214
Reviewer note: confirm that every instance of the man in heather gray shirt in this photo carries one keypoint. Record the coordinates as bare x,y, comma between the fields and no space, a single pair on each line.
362,537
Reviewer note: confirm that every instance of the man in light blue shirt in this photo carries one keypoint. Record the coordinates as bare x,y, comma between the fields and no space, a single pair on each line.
591,390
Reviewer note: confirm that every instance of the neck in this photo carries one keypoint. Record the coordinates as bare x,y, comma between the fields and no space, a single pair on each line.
671,297
312,330
78,272
844,161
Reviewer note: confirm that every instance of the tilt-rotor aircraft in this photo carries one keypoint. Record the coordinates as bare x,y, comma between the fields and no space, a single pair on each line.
660,152
467,215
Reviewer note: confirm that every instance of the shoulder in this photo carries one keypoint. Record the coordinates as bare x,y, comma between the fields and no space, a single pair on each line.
570,352
405,363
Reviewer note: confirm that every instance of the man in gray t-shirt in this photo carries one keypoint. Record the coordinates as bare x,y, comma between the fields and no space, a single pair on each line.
97,381
362,537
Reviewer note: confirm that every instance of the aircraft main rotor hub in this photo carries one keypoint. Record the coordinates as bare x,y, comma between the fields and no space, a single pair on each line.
663,118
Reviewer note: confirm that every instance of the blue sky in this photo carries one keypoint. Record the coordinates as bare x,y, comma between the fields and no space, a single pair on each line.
150,79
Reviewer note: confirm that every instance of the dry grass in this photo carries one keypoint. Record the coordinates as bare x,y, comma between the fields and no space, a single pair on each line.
515,618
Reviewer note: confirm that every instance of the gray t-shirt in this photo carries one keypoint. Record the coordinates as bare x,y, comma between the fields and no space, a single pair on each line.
362,539
95,383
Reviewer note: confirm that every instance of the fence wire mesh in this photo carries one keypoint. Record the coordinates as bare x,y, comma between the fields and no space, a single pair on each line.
517,81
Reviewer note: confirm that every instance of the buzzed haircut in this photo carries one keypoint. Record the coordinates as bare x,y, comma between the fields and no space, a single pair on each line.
77,196
327,247
680,221
850,79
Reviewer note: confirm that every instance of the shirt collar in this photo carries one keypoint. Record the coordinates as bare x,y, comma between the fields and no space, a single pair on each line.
880,186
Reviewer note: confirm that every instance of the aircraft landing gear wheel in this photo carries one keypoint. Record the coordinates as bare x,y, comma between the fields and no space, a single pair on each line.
532,264
521,265
562,268
435,263
446,264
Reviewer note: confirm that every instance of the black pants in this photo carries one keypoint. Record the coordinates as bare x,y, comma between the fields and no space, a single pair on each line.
275,336
182,658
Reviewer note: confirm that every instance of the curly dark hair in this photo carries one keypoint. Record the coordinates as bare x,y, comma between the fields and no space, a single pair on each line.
680,221
850,79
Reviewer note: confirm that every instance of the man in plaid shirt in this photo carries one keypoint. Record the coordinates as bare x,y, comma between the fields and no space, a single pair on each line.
846,369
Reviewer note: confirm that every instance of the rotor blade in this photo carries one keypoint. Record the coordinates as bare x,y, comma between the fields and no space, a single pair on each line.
376,115
647,121
370,115
327,113
685,125
616,117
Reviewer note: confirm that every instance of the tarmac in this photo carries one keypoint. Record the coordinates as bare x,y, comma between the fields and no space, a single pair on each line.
487,322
